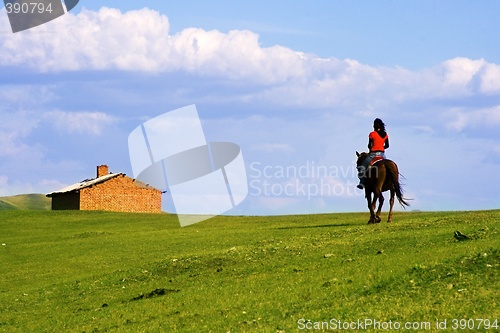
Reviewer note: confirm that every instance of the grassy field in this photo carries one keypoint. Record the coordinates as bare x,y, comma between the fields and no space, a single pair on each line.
78,271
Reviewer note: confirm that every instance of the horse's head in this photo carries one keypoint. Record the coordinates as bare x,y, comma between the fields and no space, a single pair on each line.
361,158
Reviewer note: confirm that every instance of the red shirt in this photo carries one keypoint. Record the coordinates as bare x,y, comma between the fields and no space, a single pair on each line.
378,143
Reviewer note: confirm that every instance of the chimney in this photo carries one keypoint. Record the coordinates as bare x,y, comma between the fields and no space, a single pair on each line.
102,170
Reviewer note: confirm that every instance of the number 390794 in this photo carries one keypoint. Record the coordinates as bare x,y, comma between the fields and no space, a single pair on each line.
28,8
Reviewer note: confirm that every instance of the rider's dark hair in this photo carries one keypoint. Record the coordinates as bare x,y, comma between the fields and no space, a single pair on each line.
379,127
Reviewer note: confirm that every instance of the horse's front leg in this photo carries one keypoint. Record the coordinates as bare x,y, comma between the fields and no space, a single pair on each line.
380,204
391,203
371,207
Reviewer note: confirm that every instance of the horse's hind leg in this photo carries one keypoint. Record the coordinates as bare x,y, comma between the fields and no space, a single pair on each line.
391,203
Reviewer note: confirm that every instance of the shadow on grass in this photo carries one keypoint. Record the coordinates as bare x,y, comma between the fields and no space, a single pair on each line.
317,226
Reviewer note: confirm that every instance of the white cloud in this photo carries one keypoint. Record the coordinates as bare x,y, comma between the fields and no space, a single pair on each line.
236,55
490,79
424,129
107,39
7,187
24,96
347,84
139,40
460,71
92,123
15,127
474,118
10,186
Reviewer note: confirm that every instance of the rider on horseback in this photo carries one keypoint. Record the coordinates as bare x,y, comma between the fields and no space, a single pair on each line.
378,142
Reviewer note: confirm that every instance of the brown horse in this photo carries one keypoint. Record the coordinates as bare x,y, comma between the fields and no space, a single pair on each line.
380,177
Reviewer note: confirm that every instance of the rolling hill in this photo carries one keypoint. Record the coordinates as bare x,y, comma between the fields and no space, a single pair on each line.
25,202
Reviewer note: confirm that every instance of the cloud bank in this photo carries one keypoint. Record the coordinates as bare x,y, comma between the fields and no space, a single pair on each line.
139,40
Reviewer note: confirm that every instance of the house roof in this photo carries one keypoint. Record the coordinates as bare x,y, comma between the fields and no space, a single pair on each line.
85,183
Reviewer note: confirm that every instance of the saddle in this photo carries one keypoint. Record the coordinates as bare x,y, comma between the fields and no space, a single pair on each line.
375,160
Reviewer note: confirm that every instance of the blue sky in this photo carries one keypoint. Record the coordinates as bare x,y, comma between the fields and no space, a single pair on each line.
296,84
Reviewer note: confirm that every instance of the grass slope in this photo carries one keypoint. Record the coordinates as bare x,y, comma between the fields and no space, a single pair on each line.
25,202
73,271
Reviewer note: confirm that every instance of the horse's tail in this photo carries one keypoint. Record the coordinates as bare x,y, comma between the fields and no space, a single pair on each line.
393,175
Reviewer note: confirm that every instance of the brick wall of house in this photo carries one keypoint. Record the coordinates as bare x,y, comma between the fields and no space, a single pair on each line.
120,194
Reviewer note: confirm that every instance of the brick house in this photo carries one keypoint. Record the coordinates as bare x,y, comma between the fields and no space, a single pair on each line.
108,191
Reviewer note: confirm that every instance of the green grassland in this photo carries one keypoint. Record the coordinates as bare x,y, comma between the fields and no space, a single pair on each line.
73,271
